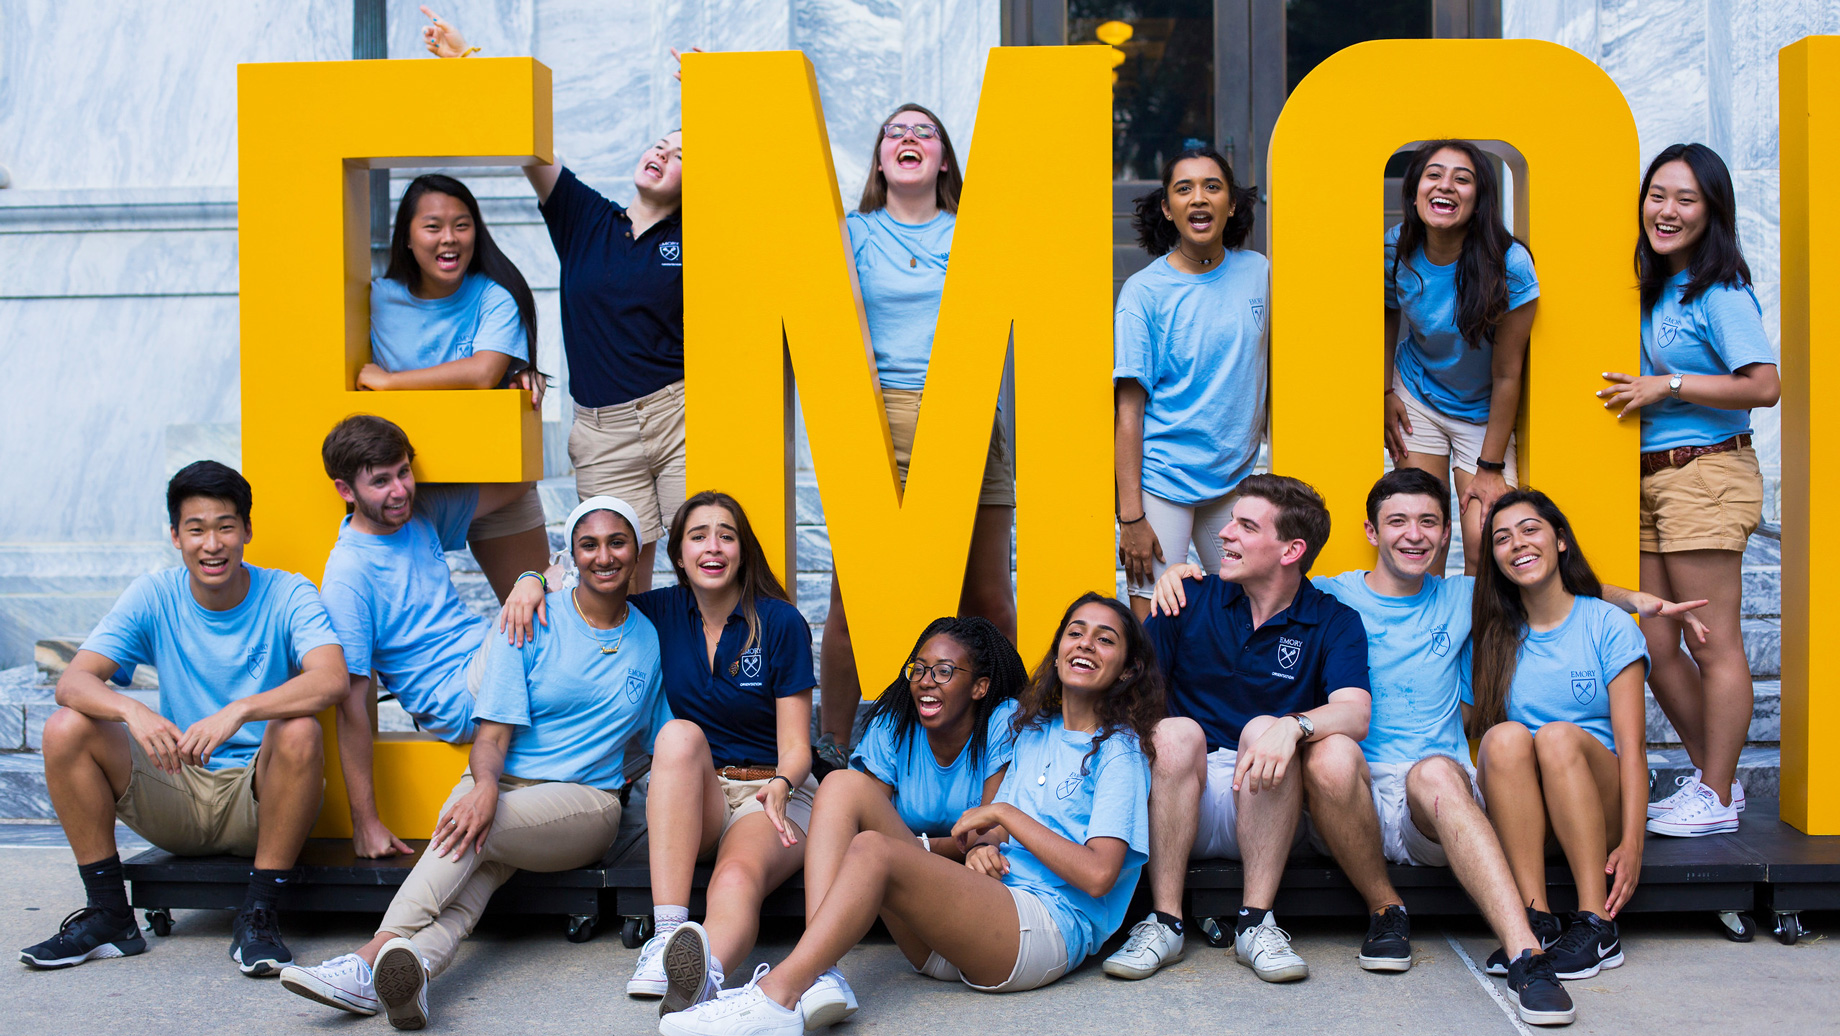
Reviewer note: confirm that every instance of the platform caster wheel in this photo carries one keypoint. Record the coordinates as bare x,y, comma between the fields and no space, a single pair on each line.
1218,937
1736,927
581,927
629,933
159,921
1789,928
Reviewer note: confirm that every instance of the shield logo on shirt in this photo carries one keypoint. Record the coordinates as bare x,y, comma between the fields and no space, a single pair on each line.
257,658
672,251
1665,334
1258,313
750,663
1066,788
635,687
1584,689
1440,642
1289,651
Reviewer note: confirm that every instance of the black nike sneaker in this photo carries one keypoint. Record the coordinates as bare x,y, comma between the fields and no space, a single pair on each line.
1589,945
1388,946
1539,996
89,934
255,943
1547,928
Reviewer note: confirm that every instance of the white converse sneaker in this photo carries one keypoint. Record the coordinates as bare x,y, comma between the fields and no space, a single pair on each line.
737,1012
342,982
1152,944
1683,790
691,975
829,1000
1737,795
1266,949
1702,814
648,978
401,976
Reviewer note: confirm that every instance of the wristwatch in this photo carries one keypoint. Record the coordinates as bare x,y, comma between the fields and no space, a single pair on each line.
1303,724
1674,386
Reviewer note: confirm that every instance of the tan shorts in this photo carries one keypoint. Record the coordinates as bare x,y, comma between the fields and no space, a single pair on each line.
520,515
1435,435
634,451
740,802
195,812
999,488
1041,953
1714,503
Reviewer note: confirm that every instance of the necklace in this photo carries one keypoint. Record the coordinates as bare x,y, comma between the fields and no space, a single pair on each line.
1201,262
621,625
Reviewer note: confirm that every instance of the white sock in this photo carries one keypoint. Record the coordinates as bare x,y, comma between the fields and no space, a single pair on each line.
665,919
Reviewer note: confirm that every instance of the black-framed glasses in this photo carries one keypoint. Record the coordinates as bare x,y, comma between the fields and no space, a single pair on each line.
920,130
942,671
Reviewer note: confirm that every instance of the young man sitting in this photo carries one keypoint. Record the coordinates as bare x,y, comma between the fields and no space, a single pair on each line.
1267,688
394,605
231,761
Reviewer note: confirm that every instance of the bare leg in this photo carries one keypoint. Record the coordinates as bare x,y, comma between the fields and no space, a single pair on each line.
1673,676
1579,779
977,928
1437,792
87,767
1440,466
1176,783
642,571
848,804
684,809
1472,516
1340,793
841,690
1726,694
1509,773
987,590
750,864
1267,826
504,558
288,789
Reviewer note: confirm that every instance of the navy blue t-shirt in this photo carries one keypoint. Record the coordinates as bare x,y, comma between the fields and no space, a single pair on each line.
735,702
622,298
1220,672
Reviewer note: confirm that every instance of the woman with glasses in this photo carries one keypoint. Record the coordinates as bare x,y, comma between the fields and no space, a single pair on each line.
901,235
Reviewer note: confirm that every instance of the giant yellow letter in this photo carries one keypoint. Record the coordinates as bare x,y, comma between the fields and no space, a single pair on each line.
1336,132
1032,255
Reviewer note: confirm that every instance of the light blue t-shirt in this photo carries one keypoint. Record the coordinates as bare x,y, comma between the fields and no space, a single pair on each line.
408,333
1564,674
901,269
208,659
1717,333
931,797
1052,779
1414,647
393,603
1432,358
1197,345
574,708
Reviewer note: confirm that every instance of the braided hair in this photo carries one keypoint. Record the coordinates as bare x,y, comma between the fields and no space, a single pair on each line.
992,655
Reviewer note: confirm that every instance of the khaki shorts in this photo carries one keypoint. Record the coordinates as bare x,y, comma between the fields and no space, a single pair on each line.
740,801
634,451
520,515
1714,503
1435,435
195,812
999,488
1041,953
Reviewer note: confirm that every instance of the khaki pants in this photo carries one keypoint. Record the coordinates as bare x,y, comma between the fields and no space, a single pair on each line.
540,826
634,451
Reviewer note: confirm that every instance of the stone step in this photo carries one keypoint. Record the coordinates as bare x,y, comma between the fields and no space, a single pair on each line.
1766,716
1759,770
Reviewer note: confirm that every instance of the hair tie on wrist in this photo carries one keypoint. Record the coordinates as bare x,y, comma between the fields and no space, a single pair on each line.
1133,521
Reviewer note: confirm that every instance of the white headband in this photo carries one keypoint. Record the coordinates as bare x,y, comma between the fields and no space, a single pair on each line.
566,556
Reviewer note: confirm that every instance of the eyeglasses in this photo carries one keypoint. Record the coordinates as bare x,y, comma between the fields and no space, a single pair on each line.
920,130
942,672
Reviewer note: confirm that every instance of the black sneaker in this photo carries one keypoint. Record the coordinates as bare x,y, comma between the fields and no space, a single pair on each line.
1537,992
1388,946
88,934
1547,928
1588,945
255,943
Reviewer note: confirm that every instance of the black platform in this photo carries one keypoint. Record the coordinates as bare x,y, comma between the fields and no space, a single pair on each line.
1767,865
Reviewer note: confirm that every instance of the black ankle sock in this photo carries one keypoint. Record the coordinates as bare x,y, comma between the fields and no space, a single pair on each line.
103,884
1249,917
265,887
1171,921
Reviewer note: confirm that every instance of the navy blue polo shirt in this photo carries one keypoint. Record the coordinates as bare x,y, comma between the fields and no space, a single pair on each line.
735,701
622,297
1220,672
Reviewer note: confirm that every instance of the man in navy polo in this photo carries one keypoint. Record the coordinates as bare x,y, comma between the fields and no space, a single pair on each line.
1268,700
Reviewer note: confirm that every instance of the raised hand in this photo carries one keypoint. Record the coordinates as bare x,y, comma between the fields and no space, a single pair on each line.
442,39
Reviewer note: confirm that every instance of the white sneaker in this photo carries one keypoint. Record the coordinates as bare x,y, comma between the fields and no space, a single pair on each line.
737,1012
691,974
1266,949
342,982
401,977
648,978
1152,944
1662,807
829,1000
1702,814
1737,795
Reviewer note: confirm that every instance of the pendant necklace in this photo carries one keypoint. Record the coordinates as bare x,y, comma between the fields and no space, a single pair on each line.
621,625
1201,262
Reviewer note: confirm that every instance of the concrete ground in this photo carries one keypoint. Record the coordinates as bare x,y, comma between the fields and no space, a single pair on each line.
520,975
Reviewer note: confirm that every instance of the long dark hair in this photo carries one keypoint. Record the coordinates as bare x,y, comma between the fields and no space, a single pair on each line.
947,186
487,258
756,576
992,655
1498,618
1717,259
1134,703
1158,234
1482,266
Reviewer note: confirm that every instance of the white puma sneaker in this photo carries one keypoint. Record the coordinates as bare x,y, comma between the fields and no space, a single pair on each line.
1152,944
1266,949
737,1012
829,1000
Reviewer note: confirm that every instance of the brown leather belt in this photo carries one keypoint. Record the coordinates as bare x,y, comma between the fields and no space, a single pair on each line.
745,773
1681,456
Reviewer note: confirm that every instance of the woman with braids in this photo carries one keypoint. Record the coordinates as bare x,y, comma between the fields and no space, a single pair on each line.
1050,864
1188,379
1465,291
1553,687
